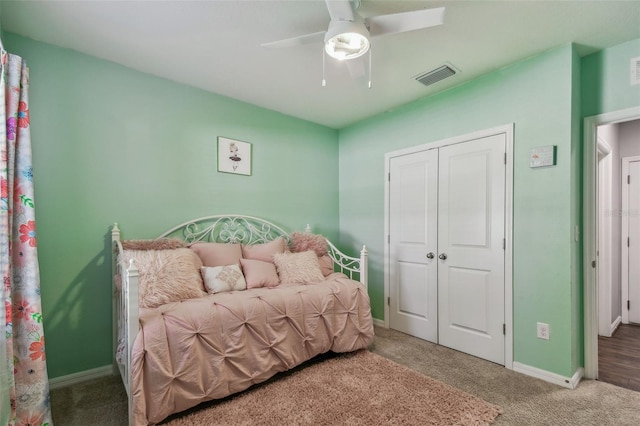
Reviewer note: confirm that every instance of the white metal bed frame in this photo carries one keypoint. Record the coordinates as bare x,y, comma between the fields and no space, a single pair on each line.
218,228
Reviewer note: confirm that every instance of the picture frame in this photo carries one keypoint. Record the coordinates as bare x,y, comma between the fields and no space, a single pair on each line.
234,156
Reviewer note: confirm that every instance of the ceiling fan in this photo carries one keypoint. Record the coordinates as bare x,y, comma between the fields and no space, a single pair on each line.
349,35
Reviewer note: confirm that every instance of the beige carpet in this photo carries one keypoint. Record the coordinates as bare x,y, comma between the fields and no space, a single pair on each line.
525,401
360,388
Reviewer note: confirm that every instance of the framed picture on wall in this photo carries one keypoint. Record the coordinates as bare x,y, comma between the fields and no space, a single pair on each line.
234,156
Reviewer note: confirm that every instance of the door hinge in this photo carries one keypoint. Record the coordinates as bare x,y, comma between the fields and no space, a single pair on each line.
389,177
389,238
629,179
504,244
628,242
504,329
388,301
505,158
628,305
593,263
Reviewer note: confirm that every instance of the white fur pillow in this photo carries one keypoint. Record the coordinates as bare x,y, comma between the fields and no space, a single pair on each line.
166,275
223,278
298,268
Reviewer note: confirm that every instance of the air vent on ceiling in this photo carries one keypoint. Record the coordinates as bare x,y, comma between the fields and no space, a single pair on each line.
635,70
436,75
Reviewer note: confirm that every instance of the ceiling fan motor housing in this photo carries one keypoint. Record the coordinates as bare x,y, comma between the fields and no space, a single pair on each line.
347,39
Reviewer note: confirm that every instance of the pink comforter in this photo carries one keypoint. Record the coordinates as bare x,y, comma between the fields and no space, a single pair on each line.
201,349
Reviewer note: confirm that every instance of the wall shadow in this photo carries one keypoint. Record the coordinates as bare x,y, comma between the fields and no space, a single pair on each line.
71,344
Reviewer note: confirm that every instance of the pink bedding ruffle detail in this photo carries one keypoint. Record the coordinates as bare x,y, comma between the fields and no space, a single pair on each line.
207,348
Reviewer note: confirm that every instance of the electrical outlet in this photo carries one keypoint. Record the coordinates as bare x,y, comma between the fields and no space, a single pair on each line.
543,331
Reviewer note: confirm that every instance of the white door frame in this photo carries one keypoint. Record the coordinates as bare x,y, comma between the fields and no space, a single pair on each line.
590,229
624,252
508,131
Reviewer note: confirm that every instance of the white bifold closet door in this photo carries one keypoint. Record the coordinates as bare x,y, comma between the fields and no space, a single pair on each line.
447,227
413,231
471,219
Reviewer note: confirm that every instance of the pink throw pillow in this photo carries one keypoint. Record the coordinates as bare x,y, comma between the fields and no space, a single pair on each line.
157,244
264,252
326,265
217,254
259,274
303,241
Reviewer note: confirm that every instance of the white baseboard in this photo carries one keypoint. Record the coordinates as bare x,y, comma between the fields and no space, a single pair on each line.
615,325
378,322
81,376
547,376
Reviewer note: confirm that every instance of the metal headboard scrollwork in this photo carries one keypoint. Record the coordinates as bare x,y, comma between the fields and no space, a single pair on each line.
227,229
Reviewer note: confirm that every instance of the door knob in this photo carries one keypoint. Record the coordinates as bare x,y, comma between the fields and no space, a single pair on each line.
443,256
430,255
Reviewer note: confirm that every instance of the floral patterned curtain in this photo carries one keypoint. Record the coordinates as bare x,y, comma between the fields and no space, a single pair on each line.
24,370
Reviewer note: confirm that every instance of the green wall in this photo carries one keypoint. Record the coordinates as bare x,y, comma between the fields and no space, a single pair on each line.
538,96
605,77
111,144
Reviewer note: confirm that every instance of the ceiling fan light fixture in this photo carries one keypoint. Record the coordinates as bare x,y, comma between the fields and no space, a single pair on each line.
346,39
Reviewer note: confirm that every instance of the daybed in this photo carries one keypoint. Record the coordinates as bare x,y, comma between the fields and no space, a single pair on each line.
186,337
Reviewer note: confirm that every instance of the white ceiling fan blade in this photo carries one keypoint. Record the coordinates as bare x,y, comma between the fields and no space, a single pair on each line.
297,41
341,10
405,21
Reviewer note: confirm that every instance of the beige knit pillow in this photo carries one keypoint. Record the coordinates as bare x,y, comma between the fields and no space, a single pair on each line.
298,268
166,275
218,279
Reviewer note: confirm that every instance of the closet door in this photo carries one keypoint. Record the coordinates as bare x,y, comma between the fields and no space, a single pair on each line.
471,222
413,299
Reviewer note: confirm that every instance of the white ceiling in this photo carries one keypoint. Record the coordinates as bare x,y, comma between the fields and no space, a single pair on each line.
215,45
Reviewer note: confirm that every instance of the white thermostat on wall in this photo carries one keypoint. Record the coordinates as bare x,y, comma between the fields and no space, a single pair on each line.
542,156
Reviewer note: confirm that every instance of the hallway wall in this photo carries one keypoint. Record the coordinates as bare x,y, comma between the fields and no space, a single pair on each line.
629,134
